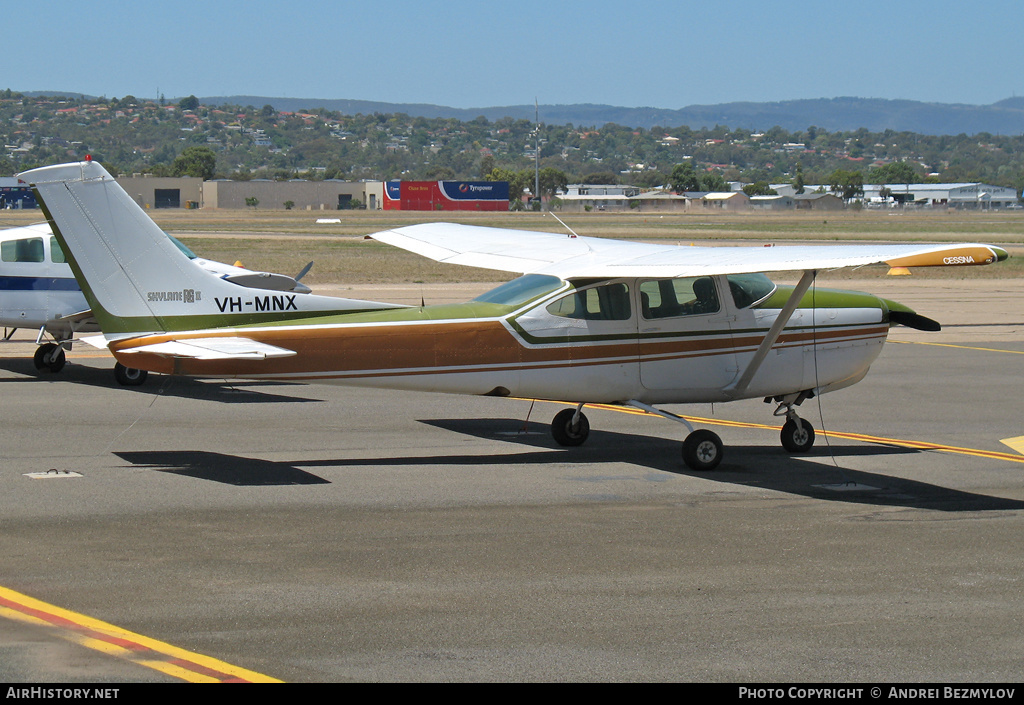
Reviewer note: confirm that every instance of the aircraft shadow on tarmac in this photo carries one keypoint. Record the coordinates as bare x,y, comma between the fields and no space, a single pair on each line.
221,467
223,391
768,467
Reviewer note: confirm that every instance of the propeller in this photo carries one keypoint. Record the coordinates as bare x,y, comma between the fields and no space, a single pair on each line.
914,320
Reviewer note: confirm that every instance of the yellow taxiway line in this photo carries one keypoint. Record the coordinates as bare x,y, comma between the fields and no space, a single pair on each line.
961,347
109,639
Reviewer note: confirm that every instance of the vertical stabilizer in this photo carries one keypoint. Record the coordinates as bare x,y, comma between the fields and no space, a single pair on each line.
122,259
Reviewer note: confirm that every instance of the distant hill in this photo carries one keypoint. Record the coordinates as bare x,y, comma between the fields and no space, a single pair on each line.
832,114
1005,117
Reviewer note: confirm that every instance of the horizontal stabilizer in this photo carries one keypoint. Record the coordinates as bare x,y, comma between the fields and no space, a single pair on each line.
264,280
213,349
81,316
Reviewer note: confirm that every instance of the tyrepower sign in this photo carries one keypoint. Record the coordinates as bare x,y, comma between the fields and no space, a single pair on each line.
446,195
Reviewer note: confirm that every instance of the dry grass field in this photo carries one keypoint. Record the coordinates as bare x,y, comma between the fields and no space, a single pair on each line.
284,241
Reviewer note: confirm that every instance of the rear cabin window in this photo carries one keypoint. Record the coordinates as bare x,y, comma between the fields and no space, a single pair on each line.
609,302
56,254
686,296
25,250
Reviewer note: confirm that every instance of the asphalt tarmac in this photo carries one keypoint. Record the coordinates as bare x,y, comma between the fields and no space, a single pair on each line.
316,533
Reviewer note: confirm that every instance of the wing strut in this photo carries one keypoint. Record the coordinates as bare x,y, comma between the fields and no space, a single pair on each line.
785,314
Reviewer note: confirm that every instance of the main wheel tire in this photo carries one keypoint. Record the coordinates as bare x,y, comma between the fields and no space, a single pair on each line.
129,376
49,357
563,431
797,437
702,450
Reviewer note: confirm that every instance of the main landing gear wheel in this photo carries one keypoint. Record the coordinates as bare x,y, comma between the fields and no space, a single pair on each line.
129,376
797,436
565,432
702,450
49,357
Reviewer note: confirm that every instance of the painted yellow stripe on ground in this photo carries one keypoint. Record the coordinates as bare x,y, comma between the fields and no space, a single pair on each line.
1016,443
915,445
70,357
962,347
110,639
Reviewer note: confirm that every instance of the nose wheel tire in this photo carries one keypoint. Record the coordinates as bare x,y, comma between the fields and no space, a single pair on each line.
567,434
702,450
49,357
129,376
797,436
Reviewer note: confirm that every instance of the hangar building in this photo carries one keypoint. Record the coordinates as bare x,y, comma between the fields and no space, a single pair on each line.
188,192
327,195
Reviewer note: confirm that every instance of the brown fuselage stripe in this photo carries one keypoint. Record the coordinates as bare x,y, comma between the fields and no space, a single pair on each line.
447,347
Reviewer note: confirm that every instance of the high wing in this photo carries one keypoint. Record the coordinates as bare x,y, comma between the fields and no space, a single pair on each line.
574,257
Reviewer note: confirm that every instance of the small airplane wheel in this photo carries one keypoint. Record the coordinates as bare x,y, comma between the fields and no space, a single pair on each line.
49,357
702,450
563,431
129,376
797,437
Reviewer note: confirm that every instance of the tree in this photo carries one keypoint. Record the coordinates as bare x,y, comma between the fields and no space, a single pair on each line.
252,201
894,173
190,103
439,173
649,179
551,181
684,178
200,162
518,181
486,165
713,181
759,188
849,184
798,180
601,177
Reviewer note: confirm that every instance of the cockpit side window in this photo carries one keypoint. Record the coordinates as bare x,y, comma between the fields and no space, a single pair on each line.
23,250
609,302
685,296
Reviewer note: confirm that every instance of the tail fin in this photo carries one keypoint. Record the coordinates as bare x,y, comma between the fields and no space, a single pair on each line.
135,279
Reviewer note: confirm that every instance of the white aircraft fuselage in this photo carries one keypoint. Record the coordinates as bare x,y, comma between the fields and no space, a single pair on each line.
37,287
553,347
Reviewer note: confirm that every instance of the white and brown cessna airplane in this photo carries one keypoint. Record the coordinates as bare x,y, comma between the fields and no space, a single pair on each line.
592,320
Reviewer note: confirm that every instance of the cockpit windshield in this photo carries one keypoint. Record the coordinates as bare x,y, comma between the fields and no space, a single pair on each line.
750,289
521,290
181,246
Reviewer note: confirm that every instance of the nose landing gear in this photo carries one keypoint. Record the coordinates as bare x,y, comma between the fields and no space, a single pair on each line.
797,435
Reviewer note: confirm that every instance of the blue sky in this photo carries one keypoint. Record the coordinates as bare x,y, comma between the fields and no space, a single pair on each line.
478,54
